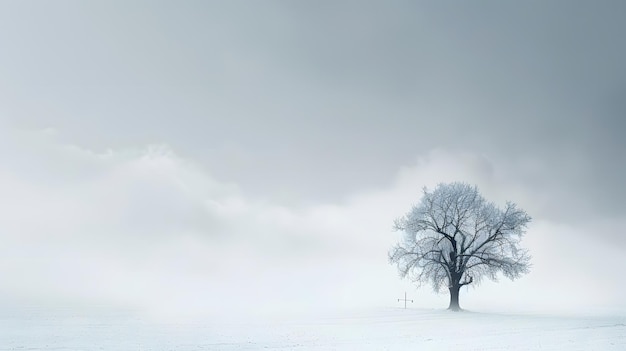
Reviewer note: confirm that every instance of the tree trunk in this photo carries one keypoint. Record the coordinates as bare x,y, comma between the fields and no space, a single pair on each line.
454,297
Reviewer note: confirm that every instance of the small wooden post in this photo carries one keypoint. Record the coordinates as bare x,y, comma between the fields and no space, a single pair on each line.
405,300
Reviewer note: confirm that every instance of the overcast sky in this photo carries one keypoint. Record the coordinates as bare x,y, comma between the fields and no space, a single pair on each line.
202,151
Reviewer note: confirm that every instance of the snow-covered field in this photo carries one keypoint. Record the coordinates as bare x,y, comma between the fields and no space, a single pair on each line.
384,329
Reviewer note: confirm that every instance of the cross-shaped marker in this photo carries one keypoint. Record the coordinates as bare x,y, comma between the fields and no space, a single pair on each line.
405,300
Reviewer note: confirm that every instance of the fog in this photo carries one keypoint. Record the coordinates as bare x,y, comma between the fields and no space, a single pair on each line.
248,159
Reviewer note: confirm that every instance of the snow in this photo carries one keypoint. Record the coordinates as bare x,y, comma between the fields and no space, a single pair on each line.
382,329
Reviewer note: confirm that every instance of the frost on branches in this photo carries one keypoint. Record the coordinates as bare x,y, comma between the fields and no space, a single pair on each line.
454,237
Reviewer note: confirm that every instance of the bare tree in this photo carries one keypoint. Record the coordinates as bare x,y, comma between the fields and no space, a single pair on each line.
454,237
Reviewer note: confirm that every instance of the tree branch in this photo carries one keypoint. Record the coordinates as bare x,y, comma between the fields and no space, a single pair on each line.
468,281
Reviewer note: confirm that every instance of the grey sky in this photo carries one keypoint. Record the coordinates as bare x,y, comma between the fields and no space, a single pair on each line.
305,104
315,101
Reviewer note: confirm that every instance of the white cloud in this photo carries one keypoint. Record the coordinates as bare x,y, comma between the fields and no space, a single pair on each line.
149,229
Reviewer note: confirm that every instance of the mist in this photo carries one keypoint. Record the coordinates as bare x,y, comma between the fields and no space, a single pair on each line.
152,232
